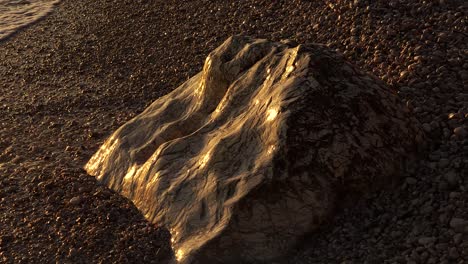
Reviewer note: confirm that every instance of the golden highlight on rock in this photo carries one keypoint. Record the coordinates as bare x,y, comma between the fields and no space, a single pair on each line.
247,156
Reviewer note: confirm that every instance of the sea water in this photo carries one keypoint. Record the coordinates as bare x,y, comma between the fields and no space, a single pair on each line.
17,14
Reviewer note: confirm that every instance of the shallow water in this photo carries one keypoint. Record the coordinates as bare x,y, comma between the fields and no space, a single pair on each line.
16,14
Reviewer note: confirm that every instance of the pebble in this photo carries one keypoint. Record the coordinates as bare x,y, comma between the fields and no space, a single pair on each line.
458,224
453,253
446,133
403,74
426,240
443,186
396,234
452,178
441,246
443,163
5,239
75,200
454,195
188,38
424,256
417,109
82,189
426,127
457,238
411,180
16,159
460,132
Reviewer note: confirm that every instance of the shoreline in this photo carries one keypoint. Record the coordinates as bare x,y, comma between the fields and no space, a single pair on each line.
8,32
71,79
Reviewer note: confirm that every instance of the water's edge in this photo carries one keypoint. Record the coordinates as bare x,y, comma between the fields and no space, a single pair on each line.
16,15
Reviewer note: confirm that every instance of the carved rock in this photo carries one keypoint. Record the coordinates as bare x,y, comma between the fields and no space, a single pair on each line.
252,153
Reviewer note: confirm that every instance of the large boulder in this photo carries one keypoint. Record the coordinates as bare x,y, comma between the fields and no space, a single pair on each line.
253,152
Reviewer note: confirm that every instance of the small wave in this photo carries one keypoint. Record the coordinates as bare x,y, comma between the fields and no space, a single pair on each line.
16,14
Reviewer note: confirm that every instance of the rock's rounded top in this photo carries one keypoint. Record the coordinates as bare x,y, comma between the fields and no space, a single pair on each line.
247,156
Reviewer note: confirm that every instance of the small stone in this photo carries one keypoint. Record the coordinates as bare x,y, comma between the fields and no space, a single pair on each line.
404,74
453,116
457,238
426,209
71,252
93,134
452,178
75,200
16,159
424,256
432,165
426,240
446,132
444,154
414,256
443,163
443,186
4,240
426,127
396,234
458,224
441,246
411,180
434,156
460,132
453,254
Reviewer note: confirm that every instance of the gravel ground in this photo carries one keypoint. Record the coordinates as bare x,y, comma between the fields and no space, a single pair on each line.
72,79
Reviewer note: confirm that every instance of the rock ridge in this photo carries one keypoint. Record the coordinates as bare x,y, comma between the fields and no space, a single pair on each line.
248,155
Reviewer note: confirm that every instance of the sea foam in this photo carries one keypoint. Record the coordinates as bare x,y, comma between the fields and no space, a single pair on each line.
17,14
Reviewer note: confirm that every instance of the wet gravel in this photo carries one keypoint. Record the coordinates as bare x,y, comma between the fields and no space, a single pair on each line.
69,81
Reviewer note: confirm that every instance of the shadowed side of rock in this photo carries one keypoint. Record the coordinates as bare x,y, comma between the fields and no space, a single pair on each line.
246,157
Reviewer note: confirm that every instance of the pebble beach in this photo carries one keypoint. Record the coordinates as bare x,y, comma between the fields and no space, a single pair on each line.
73,77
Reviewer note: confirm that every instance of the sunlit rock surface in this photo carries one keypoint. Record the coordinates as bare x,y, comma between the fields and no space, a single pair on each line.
250,154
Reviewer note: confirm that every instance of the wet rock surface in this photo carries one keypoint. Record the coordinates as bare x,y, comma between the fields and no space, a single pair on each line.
246,157
63,79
